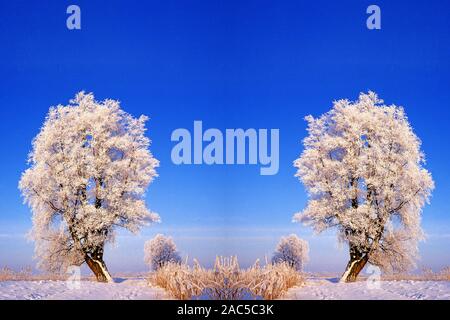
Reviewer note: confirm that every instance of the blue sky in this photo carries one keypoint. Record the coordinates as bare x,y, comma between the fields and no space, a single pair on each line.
243,64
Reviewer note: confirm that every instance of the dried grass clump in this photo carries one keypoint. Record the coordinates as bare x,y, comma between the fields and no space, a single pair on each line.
227,281
427,274
445,273
181,281
26,274
273,280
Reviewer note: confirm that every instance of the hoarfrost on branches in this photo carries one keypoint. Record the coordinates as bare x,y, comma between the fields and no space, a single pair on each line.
363,169
159,251
293,251
89,168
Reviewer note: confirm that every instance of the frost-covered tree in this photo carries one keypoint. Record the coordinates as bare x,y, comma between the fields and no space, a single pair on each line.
363,169
293,251
89,168
159,251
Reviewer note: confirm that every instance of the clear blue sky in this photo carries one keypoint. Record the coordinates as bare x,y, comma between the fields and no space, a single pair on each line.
243,64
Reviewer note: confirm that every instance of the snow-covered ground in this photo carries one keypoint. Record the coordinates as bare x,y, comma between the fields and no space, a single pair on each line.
137,288
88,290
330,289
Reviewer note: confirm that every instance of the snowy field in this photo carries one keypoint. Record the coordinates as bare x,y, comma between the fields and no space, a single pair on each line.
330,289
124,289
137,289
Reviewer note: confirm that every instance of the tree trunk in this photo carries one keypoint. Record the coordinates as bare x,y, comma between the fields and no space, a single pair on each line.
357,262
98,266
